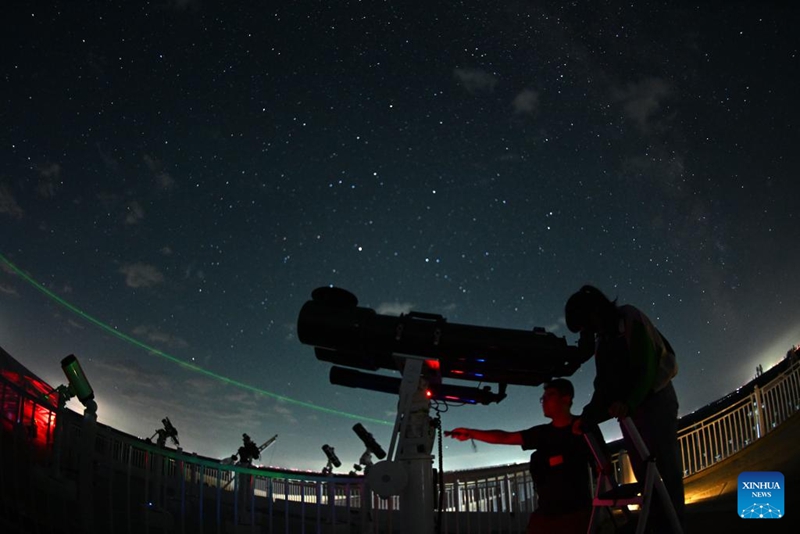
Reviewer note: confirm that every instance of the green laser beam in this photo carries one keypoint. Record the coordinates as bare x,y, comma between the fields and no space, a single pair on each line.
178,361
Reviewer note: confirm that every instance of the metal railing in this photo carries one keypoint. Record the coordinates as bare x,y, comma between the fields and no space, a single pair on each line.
498,499
136,486
723,434
195,494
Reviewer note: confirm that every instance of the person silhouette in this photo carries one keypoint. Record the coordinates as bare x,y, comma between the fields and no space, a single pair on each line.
635,365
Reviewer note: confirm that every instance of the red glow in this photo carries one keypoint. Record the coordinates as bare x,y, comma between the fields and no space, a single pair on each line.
31,408
428,393
457,372
433,364
30,384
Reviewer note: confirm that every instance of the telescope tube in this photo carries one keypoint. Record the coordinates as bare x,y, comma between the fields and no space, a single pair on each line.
345,334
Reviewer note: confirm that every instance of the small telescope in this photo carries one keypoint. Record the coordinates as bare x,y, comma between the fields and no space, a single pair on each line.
169,431
248,451
78,383
347,335
333,460
369,442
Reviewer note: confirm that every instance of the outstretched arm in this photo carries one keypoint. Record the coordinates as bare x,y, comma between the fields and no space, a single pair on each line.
498,437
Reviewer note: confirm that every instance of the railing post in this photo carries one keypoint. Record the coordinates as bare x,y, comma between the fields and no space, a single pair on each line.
331,487
758,414
128,487
286,504
270,501
201,495
457,498
219,500
366,506
86,466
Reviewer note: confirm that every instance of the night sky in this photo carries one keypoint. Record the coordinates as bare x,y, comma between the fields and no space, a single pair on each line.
181,174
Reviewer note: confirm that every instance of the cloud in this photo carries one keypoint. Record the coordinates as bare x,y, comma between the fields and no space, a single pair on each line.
46,188
394,308
141,275
8,204
136,377
153,334
450,308
49,170
152,163
204,410
475,81
164,180
642,101
291,332
75,324
202,386
242,398
526,102
134,212
8,290
6,269
108,160
190,272
284,412
49,174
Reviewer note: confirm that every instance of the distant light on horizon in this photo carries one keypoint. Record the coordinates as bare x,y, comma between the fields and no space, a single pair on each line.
774,353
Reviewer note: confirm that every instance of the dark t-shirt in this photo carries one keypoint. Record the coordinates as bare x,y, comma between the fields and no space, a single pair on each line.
559,467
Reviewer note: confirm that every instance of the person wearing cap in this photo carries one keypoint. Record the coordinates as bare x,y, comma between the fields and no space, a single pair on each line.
559,466
635,365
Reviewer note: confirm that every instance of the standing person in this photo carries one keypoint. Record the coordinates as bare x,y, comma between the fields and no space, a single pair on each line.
559,466
635,366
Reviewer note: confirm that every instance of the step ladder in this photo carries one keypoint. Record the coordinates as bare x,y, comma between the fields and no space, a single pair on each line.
609,494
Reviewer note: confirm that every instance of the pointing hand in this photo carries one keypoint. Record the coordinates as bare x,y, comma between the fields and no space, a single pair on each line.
461,434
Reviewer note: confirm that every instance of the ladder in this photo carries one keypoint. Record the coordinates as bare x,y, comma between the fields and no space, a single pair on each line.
609,494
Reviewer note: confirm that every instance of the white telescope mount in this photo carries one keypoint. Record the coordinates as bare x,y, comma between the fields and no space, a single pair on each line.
407,470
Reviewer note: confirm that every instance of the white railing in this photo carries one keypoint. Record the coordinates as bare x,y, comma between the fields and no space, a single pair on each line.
728,431
498,499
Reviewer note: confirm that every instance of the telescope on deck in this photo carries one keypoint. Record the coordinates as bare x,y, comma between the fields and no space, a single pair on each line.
426,350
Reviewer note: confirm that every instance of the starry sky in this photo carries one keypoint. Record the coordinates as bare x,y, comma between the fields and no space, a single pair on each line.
177,176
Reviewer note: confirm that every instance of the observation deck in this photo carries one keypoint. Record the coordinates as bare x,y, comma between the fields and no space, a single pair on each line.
51,480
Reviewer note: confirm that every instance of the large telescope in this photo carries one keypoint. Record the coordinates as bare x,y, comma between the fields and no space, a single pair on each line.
345,334
426,349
